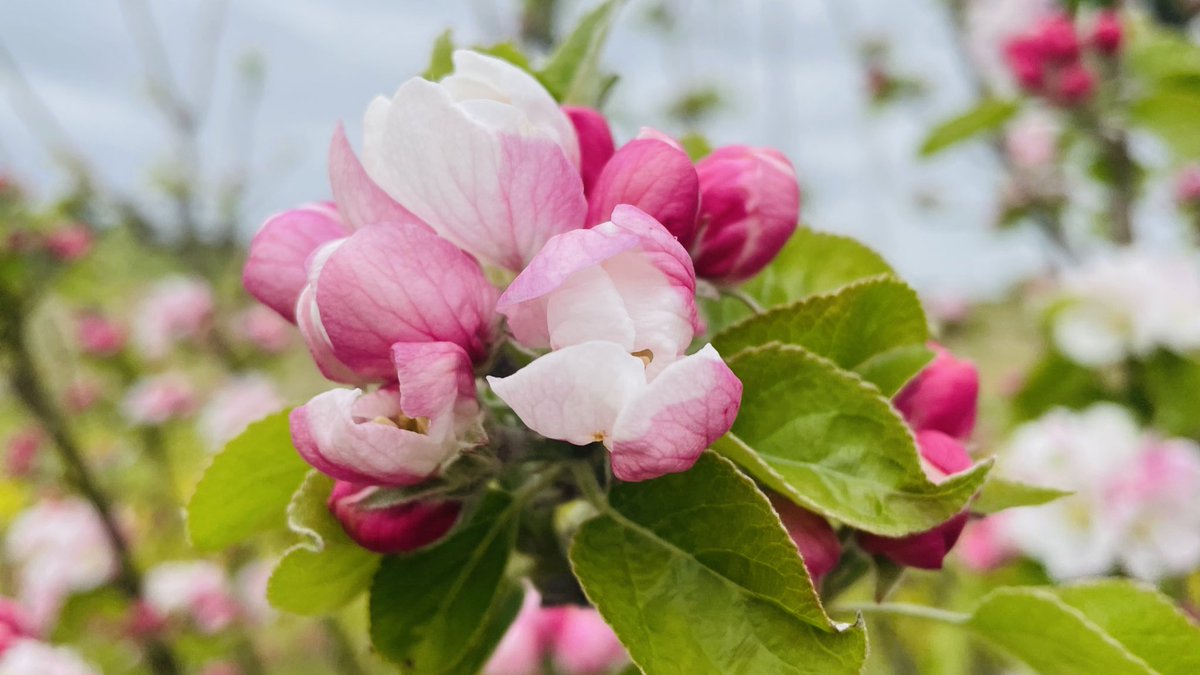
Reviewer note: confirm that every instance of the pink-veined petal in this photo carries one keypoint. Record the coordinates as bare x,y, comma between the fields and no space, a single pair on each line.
655,177
596,145
275,271
360,201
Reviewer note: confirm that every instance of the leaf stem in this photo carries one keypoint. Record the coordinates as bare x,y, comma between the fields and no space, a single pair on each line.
904,609
585,479
745,298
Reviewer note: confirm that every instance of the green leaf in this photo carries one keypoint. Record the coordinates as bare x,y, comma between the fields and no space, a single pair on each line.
1162,54
696,575
572,74
999,494
1170,112
507,51
441,62
695,145
327,569
247,487
443,609
834,445
989,115
1170,382
876,326
1054,382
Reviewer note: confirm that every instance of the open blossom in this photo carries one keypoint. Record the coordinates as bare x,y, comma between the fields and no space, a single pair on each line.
263,328
485,157
1128,304
395,529
57,547
32,657
1156,502
159,399
576,640
176,309
194,590
396,435
233,407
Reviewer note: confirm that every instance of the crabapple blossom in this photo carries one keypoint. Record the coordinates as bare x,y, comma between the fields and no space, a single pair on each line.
749,207
58,547
394,529
159,399
176,309
395,435
276,271
656,176
1156,502
942,397
485,157
984,546
1031,141
196,590
245,399
814,537
941,456
32,657
576,640
596,145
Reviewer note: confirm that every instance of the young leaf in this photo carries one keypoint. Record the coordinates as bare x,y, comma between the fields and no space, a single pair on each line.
327,569
443,609
441,61
696,574
831,443
999,494
876,326
989,115
572,73
247,487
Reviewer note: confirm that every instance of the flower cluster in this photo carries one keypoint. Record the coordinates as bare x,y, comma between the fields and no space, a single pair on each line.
200,593
481,212
1128,305
1136,501
1048,59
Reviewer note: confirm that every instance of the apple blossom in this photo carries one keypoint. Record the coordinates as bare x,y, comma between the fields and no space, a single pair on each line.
653,424
576,640
96,335
245,399
250,588
814,537
32,657
485,157
394,529
1031,141
159,399
654,175
1156,501
195,590
984,546
522,649
394,435
942,397
941,456
749,207
176,308
595,142
70,242
263,328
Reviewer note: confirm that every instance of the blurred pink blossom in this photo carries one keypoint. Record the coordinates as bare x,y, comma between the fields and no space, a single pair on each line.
175,309
159,399
243,400
97,335
31,657
70,242
22,449
264,329
196,590
575,639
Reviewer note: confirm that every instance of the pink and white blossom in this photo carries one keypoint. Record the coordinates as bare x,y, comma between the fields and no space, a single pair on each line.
485,157
98,336
245,399
276,269
197,591
263,328
32,657
158,399
15,624
176,309
576,640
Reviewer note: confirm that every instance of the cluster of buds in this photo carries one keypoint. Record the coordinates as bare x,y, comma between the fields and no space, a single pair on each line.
481,211
1049,59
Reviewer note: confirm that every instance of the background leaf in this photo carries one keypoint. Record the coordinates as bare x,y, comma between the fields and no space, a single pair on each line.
441,61
989,115
572,74
696,575
443,609
999,494
247,487
834,445
328,569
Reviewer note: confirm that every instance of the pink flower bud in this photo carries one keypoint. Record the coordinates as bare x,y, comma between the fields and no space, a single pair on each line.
749,206
657,177
1025,59
22,449
1187,185
816,540
1058,39
1075,85
69,243
941,456
395,529
14,624
97,336
942,397
1107,34
596,145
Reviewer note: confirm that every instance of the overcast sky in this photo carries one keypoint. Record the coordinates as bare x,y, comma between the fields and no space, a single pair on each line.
788,70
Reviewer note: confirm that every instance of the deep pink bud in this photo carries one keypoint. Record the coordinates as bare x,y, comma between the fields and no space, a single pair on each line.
69,243
814,537
596,145
97,336
14,624
22,449
657,177
1058,39
942,397
394,529
749,206
1075,85
1025,59
1187,185
1107,34
941,456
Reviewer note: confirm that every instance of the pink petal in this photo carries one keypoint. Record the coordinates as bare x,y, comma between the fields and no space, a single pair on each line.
596,145
573,394
520,652
399,282
478,174
942,455
666,426
814,537
655,177
337,434
358,198
436,383
275,271
583,644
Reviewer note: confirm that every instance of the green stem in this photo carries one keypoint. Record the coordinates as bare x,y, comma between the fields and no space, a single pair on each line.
743,297
341,650
585,479
905,609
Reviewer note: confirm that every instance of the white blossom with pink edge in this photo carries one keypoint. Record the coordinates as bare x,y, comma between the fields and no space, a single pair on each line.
58,547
